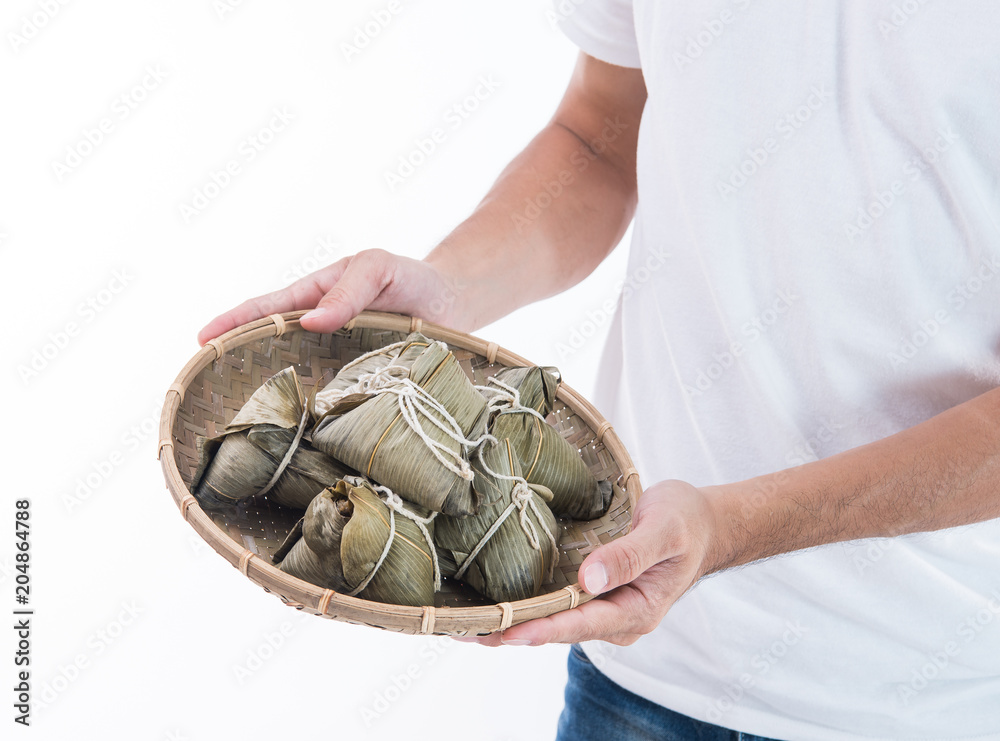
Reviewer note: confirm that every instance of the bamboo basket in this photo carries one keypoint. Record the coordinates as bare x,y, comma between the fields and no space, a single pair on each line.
215,383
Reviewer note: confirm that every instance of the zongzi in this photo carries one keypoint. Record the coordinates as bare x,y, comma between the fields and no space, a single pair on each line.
519,400
353,541
412,431
263,451
508,549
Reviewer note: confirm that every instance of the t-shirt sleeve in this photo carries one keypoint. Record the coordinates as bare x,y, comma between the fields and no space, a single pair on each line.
602,28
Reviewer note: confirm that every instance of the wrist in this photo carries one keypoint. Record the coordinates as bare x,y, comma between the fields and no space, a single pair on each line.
723,549
773,514
752,521
452,305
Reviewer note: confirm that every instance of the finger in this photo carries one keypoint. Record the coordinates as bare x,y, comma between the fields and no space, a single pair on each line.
364,278
492,640
624,559
596,619
618,617
248,311
303,294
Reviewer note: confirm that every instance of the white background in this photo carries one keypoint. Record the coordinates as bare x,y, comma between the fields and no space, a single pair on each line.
141,631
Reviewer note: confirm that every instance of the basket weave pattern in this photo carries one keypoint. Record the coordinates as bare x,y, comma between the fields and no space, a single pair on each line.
215,384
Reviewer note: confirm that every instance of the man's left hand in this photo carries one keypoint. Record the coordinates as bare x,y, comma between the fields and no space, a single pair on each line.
639,576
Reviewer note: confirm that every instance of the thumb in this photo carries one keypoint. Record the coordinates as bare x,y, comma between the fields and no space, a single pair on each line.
624,559
364,278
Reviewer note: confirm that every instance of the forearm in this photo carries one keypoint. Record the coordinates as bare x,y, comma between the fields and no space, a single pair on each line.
522,243
941,473
560,206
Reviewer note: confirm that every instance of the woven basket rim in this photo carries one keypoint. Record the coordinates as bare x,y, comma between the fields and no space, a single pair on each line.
302,594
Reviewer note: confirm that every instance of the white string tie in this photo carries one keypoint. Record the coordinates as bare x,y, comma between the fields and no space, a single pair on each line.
288,453
326,399
505,398
381,559
396,505
414,403
522,499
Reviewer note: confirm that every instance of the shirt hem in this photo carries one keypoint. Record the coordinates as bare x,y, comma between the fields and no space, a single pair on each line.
744,720
618,55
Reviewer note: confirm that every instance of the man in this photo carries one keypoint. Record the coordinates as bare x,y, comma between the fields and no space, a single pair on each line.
807,354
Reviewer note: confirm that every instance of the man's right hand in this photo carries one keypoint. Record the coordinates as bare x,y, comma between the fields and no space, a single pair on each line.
373,279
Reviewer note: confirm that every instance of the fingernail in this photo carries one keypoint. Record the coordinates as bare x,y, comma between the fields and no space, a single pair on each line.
465,639
515,642
314,314
595,578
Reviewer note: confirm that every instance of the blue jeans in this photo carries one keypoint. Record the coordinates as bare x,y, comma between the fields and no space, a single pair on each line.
597,709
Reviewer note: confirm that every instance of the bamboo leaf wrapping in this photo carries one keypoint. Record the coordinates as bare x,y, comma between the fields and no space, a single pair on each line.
545,456
307,473
406,576
279,402
507,567
352,372
311,551
548,459
241,462
536,385
375,439
342,538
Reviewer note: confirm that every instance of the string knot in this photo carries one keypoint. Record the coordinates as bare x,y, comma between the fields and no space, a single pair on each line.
416,404
522,499
505,398
396,504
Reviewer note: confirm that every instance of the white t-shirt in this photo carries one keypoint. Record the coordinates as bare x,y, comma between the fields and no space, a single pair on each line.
823,179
